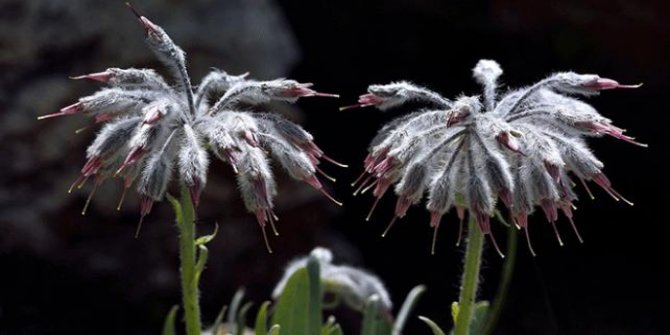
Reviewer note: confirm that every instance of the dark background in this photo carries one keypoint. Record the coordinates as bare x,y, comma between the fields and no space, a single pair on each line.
64,273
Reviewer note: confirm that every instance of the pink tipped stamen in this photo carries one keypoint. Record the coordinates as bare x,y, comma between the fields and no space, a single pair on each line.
123,197
606,185
146,203
314,182
372,209
586,187
98,76
75,108
401,206
558,235
272,218
90,196
373,184
260,217
609,84
530,245
495,245
365,184
332,161
360,177
325,95
78,183
435,218
568,213
92,166
133,156
325,175
389,225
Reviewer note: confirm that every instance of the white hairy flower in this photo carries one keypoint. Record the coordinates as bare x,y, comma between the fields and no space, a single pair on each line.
154,130
354,286
471,152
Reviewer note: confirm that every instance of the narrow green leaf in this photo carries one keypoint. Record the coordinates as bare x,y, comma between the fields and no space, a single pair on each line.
235,306
454,311
406,309
479,316
374,322
336,330
168,326
261,325
219,320
202,240
315,295
433,326
202,260
241,319
293,308
178,213
274,330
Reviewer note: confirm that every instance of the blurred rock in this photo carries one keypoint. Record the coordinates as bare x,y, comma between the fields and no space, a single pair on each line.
42,43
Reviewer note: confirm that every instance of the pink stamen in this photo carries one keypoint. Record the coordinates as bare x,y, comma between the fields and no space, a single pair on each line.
133,156
608,84
75,108
567,211
530,245
401,206
332,161
495,245
586,187
98,76
90,196
388,227
260,217
372,209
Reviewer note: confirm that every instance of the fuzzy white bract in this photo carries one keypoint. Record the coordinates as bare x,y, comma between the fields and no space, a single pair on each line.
353,285
155,132
523,148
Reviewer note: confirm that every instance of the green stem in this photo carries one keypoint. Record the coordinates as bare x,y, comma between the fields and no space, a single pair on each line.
473,258
187,257
506,278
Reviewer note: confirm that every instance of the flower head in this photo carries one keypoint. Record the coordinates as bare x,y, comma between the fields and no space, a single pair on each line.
522,149
155,130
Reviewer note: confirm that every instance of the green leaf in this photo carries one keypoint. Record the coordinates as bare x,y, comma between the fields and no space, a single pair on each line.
298,309
202,240
479,316
234,307
433,326
454,311
178,213
331,327
241,319
168,326
219,320
374,322
200,263
274,330
315,295
406,309
261,325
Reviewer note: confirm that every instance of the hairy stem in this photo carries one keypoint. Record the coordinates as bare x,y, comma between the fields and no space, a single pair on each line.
469,284
187,257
